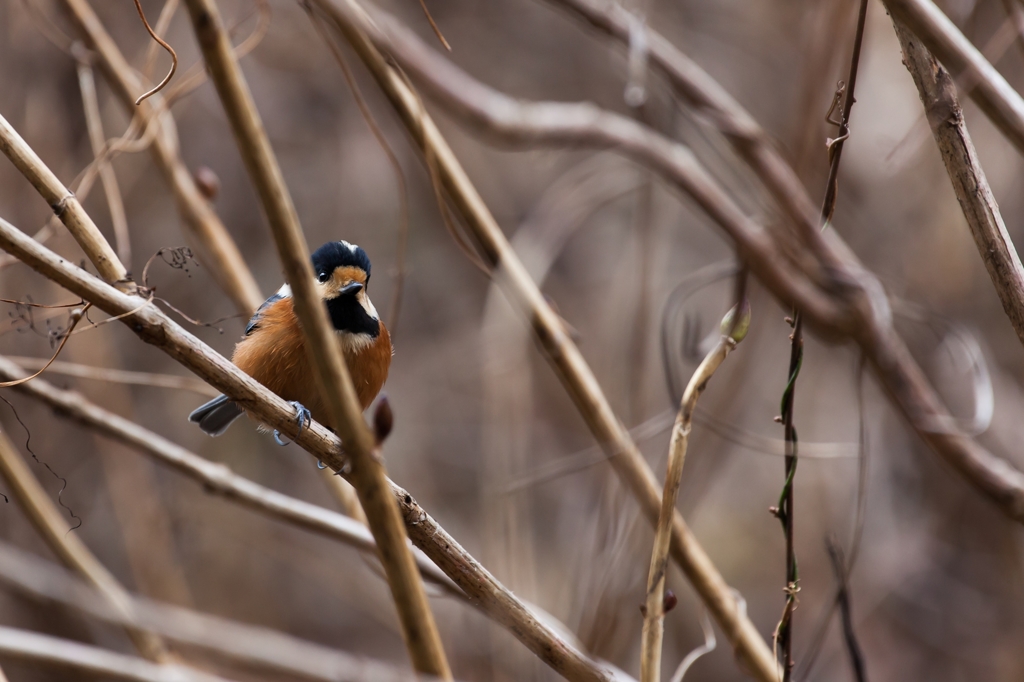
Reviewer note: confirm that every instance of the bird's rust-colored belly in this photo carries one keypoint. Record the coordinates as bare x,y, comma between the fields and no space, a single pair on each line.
274,354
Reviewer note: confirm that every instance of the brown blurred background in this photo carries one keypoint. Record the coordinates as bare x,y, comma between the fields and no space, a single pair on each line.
937,588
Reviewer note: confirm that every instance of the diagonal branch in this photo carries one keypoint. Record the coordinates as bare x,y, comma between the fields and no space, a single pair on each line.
367,468
215,478
272,651
997,98
48,521
154,327
750,142
945,116
565,357
201,222
854,305
64,204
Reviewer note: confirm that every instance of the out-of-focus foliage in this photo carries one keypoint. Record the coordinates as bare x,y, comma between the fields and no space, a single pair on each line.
480,420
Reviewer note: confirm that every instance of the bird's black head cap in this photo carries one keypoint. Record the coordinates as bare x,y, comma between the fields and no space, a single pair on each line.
334,255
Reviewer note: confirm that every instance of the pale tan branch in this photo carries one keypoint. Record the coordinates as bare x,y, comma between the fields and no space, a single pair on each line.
154,327
98,141
576,124
269,649
572,369
997,98
750,142
118,376
367,468
945,116
215,478
217,250
64,204
90,661
654,604
69,547
862,310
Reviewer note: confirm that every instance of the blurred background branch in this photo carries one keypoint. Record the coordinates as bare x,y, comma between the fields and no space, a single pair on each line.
485,434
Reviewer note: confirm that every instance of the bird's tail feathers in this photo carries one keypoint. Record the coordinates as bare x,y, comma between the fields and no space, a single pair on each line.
216,416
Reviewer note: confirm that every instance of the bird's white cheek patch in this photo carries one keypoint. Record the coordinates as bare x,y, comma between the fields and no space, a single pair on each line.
364,301
285,291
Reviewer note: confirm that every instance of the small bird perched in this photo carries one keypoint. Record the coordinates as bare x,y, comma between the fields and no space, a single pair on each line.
273,349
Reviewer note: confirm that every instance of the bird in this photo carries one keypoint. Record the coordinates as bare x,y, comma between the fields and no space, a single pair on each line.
273,352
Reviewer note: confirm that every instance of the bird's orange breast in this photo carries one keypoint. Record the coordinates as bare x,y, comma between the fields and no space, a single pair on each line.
274,354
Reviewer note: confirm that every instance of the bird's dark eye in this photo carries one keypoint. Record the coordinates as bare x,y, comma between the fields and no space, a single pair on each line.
323,277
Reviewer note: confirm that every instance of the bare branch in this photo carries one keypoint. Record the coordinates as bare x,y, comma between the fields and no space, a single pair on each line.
942,106
565,357
654,605
367,468
859,308
97,140
119,376
252,645
997,98
64,204
154,327
89,660
218,251
215,478
69,546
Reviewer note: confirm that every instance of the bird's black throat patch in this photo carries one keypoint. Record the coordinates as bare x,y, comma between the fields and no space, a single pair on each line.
347,315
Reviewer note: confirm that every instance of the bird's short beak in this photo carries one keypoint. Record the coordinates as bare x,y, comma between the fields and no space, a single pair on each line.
350,288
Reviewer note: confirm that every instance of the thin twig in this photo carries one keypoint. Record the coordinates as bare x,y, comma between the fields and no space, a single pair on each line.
840,568
367,469
97,140
433,25
945,117
709,645
734,328
170,50
163,22
76,316
785,509
153,326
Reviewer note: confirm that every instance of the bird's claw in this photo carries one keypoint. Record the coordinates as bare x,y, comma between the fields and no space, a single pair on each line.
302,416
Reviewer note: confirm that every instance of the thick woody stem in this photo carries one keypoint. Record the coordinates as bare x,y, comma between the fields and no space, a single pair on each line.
153,327
566,359
367,468
997,98
946,118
